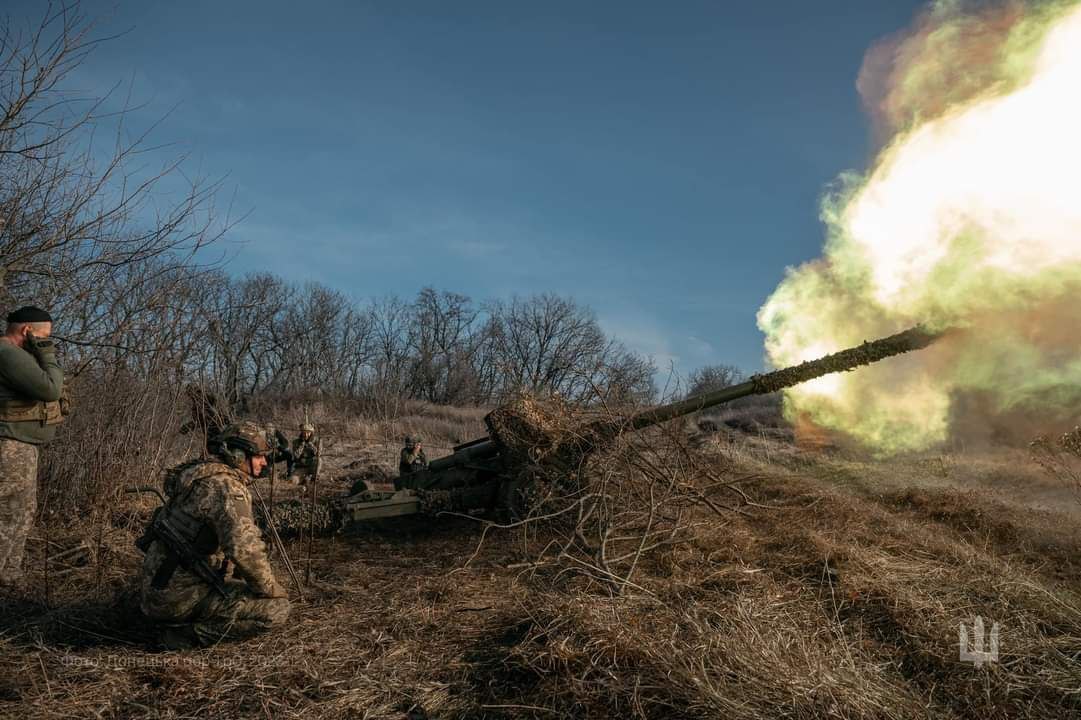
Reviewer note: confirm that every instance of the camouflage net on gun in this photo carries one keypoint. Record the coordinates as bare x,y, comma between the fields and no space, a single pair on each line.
548,435
869,352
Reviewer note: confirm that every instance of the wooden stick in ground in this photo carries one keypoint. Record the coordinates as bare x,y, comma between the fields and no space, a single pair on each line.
311,510
48,599
273,477
278,542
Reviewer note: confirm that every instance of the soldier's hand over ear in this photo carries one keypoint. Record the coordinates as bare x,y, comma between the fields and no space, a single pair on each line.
40,348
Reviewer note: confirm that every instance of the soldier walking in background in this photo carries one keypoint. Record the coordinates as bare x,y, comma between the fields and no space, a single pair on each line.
412,457
305,455
31,384
204,531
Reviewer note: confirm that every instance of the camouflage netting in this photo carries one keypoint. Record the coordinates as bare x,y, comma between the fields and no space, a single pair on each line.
865,354
546,435
293,517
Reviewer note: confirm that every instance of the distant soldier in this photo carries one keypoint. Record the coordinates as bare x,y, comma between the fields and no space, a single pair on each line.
208,416
279,450
206,575
31,384
412,457
305,455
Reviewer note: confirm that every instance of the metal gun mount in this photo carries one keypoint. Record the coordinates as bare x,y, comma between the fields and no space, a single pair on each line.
485,473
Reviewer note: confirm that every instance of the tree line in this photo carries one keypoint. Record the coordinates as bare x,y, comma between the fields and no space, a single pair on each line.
260,335
120,257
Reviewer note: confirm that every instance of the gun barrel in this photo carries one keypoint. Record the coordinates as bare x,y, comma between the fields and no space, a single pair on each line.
869,352
763,384
480,449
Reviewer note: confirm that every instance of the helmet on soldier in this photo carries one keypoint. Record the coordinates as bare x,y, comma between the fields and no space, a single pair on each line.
307,427
236,443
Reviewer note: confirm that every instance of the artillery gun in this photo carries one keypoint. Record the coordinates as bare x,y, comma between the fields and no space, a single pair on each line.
495,472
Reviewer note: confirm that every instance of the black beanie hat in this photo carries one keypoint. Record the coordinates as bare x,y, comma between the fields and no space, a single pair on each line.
29,314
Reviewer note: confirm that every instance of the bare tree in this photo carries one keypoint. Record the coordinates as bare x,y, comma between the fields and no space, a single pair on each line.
712,377
549,344
68,221
444,340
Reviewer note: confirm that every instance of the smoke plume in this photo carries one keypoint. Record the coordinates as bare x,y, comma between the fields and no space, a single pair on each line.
969,217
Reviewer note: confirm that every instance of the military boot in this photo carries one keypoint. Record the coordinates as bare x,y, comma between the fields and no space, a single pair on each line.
178,637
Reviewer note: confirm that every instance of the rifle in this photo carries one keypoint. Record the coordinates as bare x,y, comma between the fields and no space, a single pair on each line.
183,553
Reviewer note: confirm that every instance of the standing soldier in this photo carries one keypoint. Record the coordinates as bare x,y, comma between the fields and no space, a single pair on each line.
204,531
305,455
413,457
31,384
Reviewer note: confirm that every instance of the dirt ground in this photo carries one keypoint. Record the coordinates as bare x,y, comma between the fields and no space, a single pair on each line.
838,591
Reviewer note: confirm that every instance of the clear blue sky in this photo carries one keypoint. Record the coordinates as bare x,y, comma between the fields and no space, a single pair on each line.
660,162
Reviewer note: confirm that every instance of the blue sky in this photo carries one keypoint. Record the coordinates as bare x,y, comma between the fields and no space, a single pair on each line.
660,162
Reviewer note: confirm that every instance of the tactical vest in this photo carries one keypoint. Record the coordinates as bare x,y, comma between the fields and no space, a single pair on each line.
189,545
47,413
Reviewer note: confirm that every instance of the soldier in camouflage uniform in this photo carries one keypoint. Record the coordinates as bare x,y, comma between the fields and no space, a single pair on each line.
279,450
412,457
215,583
31,385
305,455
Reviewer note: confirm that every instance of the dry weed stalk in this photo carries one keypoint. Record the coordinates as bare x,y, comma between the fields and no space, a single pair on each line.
1060,457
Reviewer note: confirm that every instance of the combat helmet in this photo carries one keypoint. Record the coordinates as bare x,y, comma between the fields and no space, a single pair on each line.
307,428
236,442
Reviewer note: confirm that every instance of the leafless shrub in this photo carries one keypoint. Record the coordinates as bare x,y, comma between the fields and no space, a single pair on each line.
600,503
1060,457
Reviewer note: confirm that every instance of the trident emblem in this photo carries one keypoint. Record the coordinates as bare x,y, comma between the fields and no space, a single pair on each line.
975,653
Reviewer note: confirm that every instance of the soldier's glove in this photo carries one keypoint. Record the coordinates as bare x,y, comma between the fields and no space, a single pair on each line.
40,348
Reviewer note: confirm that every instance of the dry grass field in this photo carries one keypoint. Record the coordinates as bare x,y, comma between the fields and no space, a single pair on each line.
834,589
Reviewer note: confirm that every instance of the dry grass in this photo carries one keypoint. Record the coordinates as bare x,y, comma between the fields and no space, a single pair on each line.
837,592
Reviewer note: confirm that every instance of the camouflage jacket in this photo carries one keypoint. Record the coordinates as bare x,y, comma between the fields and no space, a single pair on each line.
212,494
24,378
305,451
412,461
279,444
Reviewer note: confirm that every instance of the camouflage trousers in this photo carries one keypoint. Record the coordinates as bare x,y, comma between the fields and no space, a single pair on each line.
18,502
238,615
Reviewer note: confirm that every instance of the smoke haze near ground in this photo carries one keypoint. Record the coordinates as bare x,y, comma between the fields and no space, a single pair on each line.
967,218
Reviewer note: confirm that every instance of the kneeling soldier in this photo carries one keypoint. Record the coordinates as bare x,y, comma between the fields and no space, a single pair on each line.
305,455
205,529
